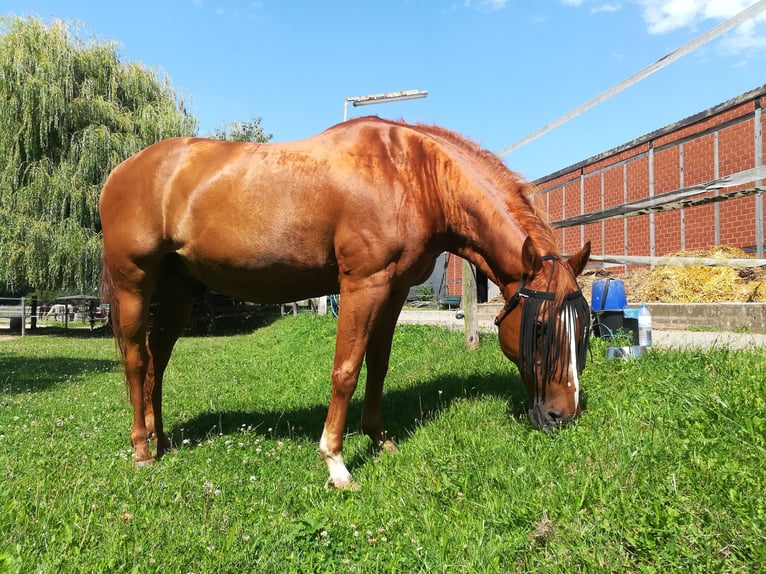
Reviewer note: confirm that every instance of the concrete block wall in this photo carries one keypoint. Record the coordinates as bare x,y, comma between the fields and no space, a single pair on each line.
746,317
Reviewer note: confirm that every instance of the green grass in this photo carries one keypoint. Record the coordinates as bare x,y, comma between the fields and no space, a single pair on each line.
663,471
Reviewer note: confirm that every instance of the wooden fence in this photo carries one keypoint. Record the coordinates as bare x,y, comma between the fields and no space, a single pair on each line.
679,199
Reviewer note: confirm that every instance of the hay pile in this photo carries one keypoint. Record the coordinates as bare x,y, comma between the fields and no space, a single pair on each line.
707,284
669,284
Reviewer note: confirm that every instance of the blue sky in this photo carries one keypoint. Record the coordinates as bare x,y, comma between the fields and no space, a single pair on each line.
496,70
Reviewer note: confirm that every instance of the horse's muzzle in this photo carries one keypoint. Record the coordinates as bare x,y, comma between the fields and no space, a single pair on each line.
546,419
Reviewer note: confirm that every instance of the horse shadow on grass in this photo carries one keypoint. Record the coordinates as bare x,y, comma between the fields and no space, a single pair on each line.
404,411
24,373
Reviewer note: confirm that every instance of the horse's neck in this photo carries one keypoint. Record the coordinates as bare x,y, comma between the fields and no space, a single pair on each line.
484,230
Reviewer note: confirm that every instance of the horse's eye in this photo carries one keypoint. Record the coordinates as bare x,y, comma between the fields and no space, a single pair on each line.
541,328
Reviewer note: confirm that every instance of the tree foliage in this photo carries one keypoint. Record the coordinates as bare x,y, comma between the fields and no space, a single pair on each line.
249,131
70,111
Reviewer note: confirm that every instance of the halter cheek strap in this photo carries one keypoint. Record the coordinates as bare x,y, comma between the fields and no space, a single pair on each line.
512,303
522,291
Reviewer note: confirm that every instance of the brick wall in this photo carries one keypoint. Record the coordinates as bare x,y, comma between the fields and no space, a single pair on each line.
716,142
454,276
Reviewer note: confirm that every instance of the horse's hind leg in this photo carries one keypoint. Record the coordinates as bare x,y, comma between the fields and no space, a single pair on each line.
174,305
132,296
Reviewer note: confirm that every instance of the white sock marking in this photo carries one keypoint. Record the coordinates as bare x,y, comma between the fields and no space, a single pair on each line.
339,475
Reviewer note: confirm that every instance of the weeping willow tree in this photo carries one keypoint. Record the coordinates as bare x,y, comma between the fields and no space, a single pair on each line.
249,131
70,111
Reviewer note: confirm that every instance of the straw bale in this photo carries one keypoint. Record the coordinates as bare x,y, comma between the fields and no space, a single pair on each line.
708,284
693,285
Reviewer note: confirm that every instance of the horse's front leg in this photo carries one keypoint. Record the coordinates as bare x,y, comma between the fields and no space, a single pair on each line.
344,379
356,319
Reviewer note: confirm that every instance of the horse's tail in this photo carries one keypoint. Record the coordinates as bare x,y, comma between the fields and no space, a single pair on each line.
109,296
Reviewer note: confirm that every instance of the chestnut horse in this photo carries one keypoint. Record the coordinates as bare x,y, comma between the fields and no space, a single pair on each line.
362,209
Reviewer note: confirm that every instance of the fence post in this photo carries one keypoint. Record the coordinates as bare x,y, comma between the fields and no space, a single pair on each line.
470,306
23,316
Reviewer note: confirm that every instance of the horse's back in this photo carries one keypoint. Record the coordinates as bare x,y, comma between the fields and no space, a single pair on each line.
317,208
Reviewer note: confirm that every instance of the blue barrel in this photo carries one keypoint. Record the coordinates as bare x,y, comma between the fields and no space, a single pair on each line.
608,295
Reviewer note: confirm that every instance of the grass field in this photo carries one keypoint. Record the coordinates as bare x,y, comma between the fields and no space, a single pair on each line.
664,470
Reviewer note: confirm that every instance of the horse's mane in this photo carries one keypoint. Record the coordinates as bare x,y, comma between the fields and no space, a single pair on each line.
520,196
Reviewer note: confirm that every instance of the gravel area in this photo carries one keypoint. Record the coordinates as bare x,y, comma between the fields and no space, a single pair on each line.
660,339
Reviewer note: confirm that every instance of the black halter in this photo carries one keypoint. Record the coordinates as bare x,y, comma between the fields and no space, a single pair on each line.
547,335
522,291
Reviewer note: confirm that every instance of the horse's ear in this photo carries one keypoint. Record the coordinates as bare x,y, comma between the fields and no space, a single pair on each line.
579,260
530,258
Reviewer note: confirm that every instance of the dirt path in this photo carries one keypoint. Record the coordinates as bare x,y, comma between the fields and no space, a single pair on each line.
661,339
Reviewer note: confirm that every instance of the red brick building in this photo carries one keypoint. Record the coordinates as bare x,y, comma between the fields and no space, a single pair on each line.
723,140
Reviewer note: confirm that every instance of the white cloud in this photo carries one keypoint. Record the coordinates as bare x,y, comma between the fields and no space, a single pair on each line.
750,36
605,8
487,5
667,15
663,16
596,6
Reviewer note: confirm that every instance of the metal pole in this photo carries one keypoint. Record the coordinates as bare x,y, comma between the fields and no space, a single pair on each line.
385,98
669,58
759,239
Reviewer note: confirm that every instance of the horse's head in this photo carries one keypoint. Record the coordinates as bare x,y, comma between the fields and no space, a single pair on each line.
544,329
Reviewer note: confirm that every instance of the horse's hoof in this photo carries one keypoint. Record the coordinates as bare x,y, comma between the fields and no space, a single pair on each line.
388,446
350,485
383,446
141,463
163,449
